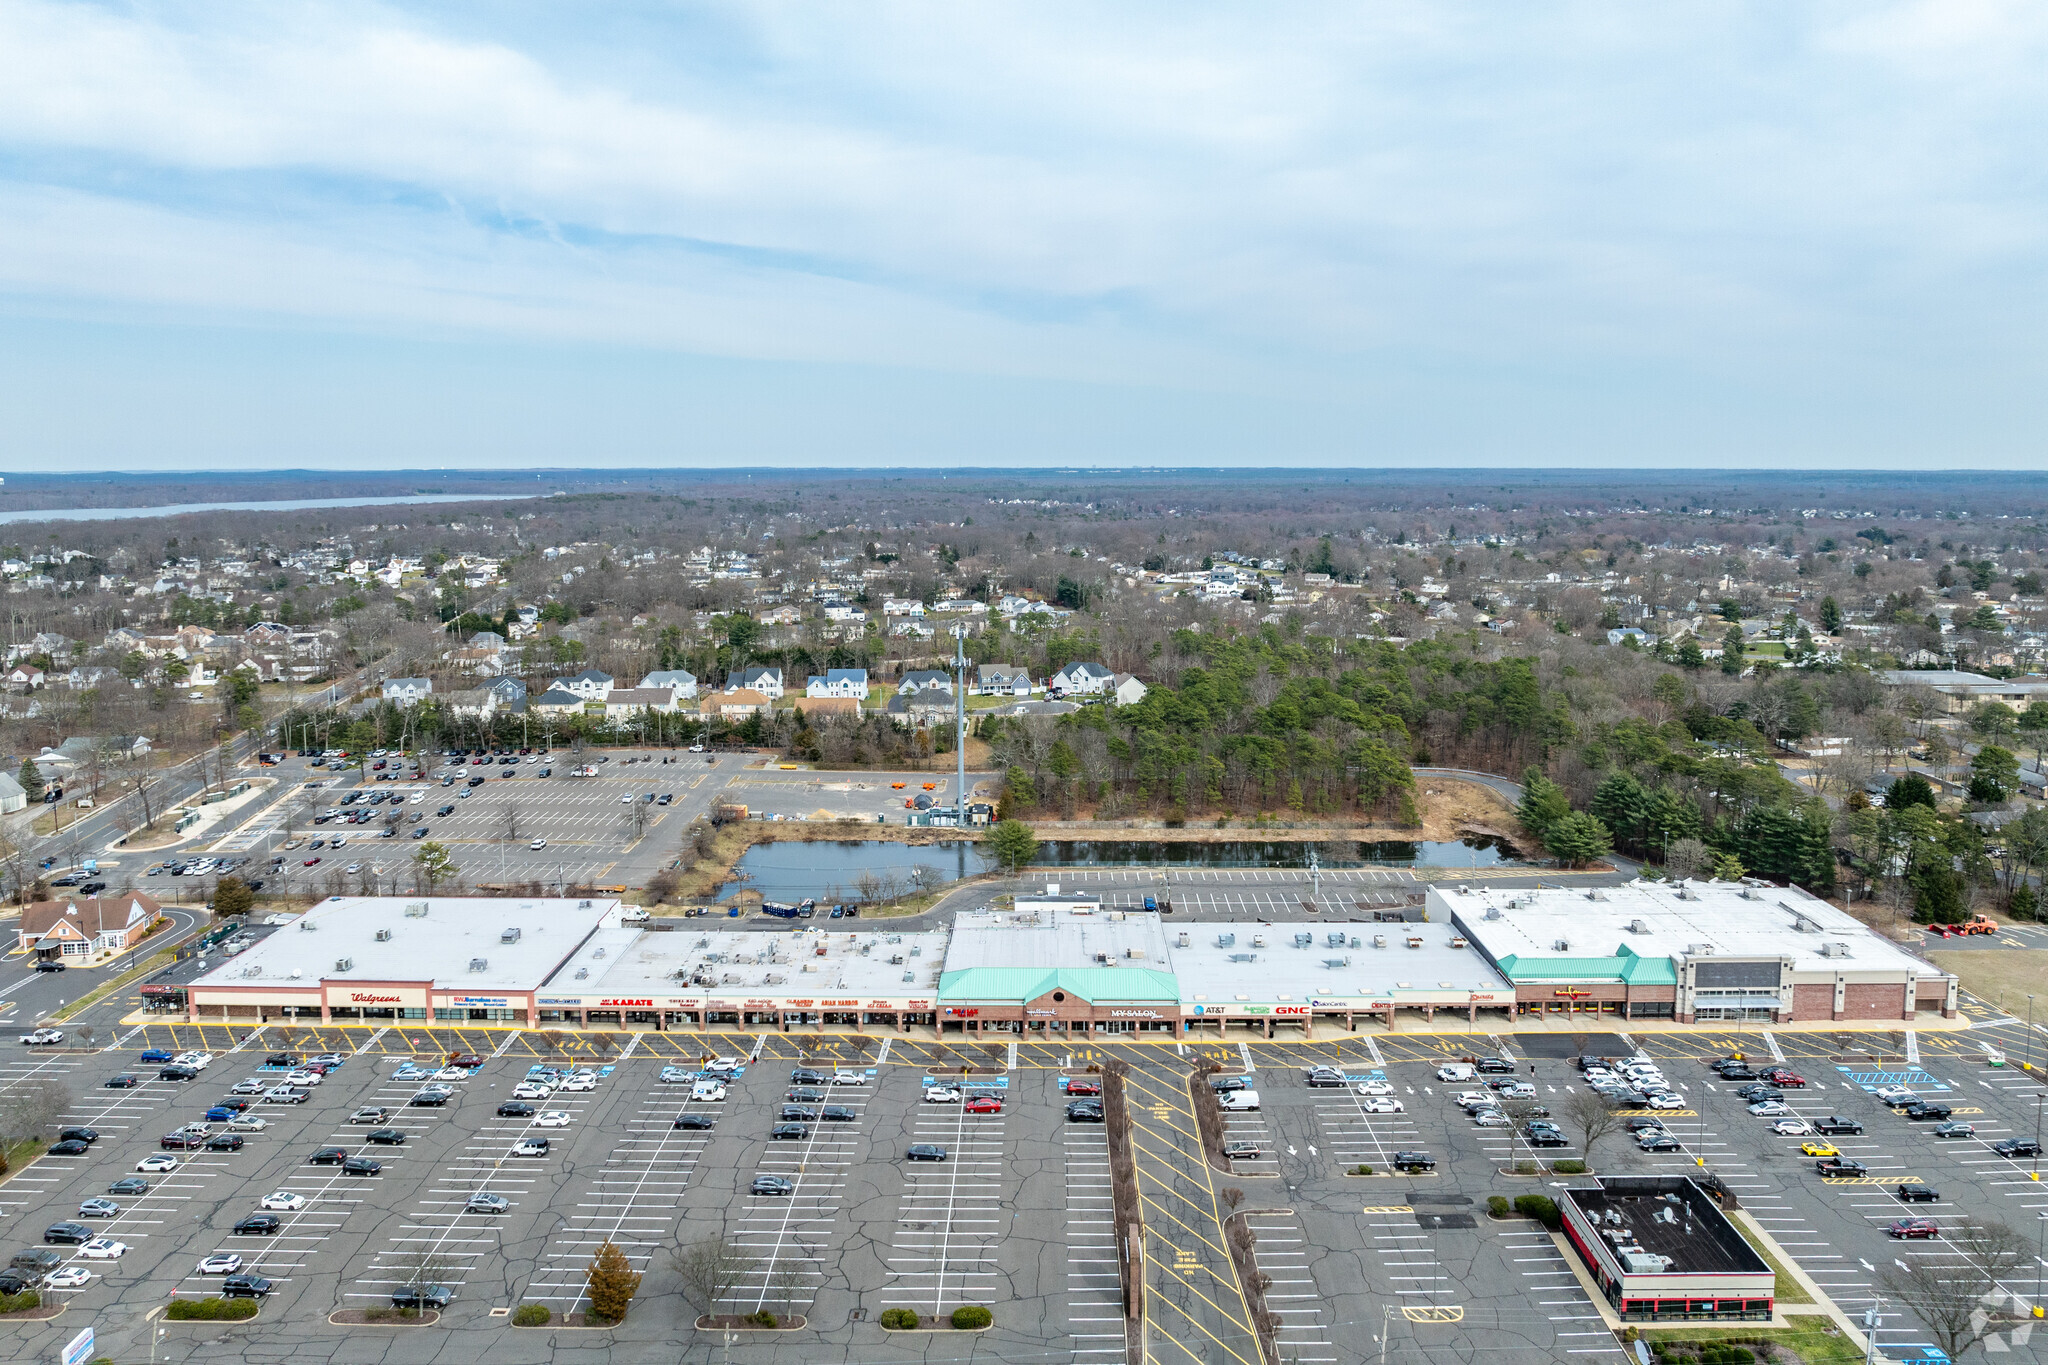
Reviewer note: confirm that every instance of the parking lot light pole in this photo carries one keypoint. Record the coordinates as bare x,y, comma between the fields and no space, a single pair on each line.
1870,1319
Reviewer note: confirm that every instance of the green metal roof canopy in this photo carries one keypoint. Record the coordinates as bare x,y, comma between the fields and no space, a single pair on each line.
1018,984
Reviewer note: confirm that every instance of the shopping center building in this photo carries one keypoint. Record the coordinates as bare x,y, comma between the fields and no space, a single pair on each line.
1062,965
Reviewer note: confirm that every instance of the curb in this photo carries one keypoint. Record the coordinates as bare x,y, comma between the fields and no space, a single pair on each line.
796,1323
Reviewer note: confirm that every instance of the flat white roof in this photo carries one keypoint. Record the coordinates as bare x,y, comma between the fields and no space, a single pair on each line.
1269,962
809,962
1675,919
1055,938
438,946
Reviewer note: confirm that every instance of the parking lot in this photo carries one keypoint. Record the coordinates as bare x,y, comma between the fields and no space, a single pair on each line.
1017,1217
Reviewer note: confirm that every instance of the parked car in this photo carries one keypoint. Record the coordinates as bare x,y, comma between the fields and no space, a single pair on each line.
1914,1192
423,1296
1839,1167
924,1151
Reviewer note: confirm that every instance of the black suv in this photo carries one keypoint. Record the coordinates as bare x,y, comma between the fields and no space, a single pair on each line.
73,1234
328,1156
797,1113
1414,1161
1916,1193
789,1132
178,1072
1495,1066
1321,1077
423,1296
803,1075
245,1287
85,1135
258,1224
2012,1147
1920,1112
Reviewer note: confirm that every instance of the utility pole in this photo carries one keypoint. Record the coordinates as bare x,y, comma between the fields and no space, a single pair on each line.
1870,1319
960,724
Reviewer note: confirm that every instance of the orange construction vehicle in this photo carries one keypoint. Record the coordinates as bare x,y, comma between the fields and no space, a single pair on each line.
1977,924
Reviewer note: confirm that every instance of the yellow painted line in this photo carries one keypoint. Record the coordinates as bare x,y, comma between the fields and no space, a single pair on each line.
1872,1180
1439,1313
1387,1208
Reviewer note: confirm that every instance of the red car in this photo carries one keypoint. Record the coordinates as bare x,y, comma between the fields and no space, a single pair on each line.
1778,1075
1084,1085
984,1104
1914,1227
309,862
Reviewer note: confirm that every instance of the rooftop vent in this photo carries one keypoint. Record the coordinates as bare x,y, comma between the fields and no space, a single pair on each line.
344,964
1336,962
1244,957
582,973
382,936
479,964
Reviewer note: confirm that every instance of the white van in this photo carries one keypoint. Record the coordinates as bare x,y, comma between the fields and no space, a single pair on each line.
1456,1071
708,1091
1238,1099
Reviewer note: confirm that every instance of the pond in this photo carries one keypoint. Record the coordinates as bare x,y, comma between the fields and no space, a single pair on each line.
831,870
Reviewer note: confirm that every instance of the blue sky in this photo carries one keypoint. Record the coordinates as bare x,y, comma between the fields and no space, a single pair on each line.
1418,234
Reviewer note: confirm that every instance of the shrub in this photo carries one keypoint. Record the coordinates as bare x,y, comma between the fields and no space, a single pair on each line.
970,1316
531,1315
1361,1170
20,1303
1568,1167
1525,1168
1497,1205
215,1309
899,1319
762,1318
1541,1207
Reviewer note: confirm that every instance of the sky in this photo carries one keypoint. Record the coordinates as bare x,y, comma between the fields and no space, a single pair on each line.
1435,234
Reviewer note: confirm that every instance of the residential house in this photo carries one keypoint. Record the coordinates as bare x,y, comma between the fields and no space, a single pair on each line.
899,606
12,797
766,681
924,707
510,692
626,702
59,929
1081,679
1001,680
557,701
679,681
927,677
470,701
735,703
590,684
839,682
815,709
25,678
1126,690
408,691
843,612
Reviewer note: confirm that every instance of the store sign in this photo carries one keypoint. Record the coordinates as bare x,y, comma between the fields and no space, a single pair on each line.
371,998
1290,1009
1134,1014
1043,1014
840,1004
482,1002
969,1012
1573,993
559,1001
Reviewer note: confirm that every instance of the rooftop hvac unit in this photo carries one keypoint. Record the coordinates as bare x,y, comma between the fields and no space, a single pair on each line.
1336,962
1303,940
1835,949
1226,940
582,973
1699,950
1244,957
917,950
909,976
344,964
1492,912
509,936
1258,940
307,925
1102,959
1636,926
1596,895
252,970
1182,941
1128,952
597,953
1414,940
1644,1263
1458,941
479,964
1563,945
1379,940
1354,941
583,905
382,936
416,910
1334,941
1464,890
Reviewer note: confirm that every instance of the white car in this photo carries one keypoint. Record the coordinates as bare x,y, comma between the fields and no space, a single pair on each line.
553,1118
531,1090
530,1147
941,1094
284,1201
452,1073
157,1161
580,1082
1792,1128
1492,1118
226,1263
198,1061
247,1123
43,1036
626,800
724,1064
252,1086
849,1078
1383,1106
1769,1109
67,1277
1473,1097
1670,1102
103,1249
303,1078
537,845
1886,1094
1240,1099
708,1091
1376,1088
417,797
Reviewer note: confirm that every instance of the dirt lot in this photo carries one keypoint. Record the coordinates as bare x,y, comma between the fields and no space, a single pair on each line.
2005,978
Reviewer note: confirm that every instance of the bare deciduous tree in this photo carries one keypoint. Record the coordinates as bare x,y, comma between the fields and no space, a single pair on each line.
1593,1116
